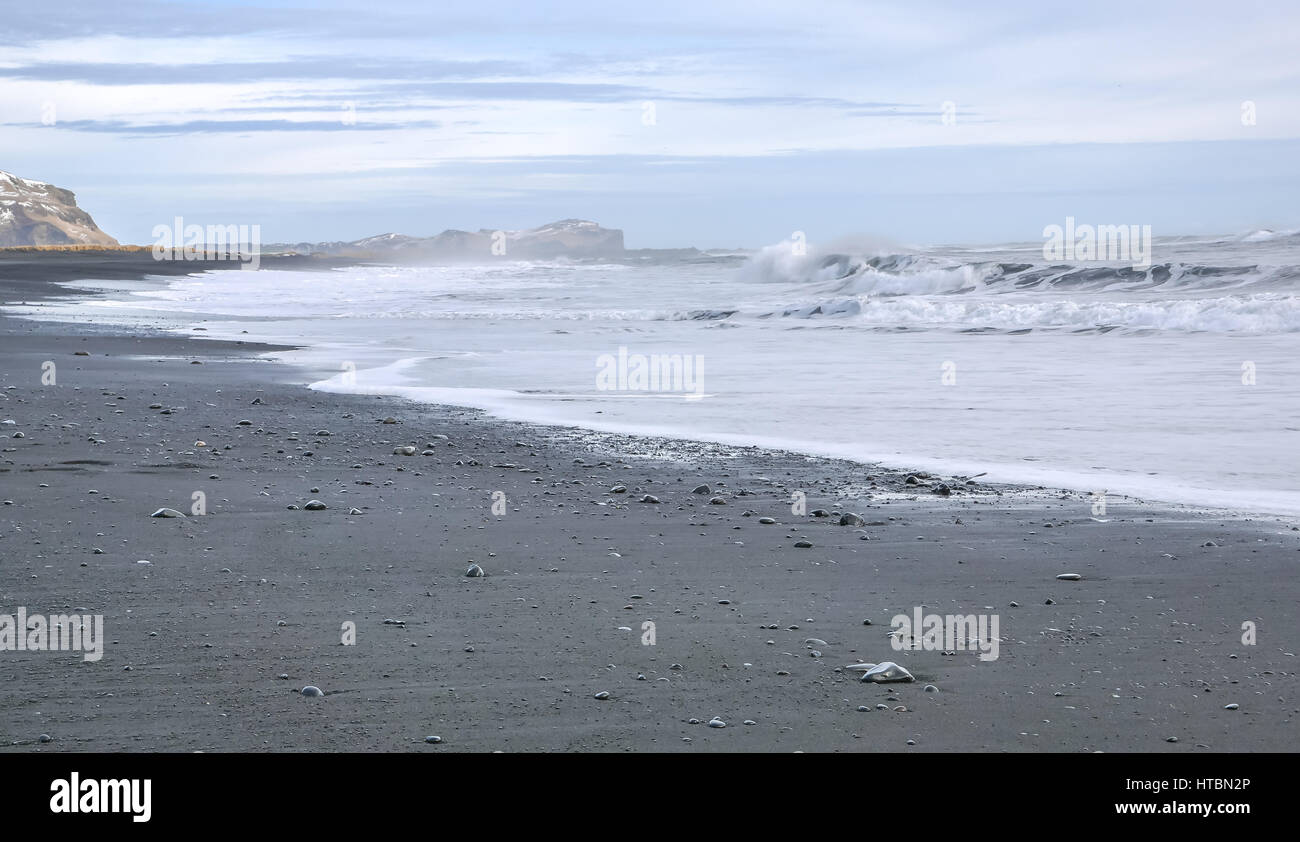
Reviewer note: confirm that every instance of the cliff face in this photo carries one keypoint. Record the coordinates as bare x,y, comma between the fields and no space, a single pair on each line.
33,213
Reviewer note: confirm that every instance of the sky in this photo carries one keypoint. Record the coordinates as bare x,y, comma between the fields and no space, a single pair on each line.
705,123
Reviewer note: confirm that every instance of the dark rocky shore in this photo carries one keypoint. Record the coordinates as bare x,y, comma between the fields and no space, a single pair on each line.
209,643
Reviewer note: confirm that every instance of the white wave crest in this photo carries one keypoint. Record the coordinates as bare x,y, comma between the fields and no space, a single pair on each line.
1254,314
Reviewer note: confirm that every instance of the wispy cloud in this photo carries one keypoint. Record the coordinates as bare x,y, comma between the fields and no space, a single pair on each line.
262,72
237,126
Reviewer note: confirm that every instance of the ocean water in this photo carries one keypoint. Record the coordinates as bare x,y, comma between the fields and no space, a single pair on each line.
1176,382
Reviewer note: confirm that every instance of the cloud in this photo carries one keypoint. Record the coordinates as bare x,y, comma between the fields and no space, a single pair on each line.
236,126
340,67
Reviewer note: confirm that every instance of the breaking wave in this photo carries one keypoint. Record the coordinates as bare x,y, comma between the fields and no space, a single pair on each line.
936,290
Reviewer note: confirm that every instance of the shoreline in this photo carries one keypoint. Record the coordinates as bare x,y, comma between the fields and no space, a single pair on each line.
69,268
1142,648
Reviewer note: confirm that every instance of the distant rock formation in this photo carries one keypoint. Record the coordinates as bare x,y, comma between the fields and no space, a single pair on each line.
33,213
572,238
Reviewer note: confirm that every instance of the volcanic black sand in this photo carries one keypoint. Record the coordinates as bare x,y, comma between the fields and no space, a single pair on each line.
209,643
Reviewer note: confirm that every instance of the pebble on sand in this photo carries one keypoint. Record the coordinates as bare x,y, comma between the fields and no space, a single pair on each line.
311,690
166,513
768,521
314,506
715,722
649,498
1069,577
803,545
851,519
404,451
602,695
701,489
475,572
433,739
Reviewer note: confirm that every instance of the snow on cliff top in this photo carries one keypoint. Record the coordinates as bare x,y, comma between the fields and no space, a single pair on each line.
8,176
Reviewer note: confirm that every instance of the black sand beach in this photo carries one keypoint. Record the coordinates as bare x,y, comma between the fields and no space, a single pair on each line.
208,644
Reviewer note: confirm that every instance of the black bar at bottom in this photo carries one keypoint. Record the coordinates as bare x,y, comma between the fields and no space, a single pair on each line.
320,791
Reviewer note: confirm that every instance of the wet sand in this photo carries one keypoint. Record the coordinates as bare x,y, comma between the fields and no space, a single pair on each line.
1145,647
